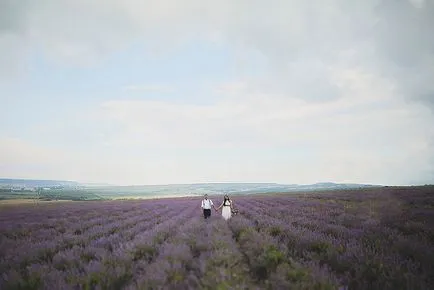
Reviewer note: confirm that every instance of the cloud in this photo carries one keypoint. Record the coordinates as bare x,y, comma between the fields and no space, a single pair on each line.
149,88
349,81
24,152
24,159
300,40
374,140
367,108
367,135
19,158
405,46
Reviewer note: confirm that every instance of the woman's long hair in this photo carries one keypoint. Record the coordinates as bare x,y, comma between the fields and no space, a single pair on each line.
226,198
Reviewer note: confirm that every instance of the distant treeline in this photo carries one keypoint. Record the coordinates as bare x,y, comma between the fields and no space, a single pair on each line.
75,195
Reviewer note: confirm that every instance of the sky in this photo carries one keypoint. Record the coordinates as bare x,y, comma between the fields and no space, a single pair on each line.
157,92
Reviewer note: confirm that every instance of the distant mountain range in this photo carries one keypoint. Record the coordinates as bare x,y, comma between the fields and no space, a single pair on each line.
248,188
190,189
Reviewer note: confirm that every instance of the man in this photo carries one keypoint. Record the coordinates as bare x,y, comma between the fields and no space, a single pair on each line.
206,206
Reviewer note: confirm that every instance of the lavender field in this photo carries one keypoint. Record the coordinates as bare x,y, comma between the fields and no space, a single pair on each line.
360,239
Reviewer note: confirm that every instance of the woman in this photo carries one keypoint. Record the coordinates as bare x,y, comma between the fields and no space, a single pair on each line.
227,205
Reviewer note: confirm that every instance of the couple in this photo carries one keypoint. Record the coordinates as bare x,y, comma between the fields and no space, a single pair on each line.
226,204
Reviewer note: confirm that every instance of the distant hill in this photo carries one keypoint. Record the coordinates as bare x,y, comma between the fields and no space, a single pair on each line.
61,189
214,189
274,187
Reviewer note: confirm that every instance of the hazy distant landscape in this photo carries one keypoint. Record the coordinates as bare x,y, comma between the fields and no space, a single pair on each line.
71,190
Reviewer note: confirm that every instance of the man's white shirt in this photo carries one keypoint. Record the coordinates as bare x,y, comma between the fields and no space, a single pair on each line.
207,203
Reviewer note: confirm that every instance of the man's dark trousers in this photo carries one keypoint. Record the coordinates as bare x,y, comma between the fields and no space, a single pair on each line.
206,213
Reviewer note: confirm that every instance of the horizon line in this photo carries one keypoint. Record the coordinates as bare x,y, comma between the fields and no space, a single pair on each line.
208,182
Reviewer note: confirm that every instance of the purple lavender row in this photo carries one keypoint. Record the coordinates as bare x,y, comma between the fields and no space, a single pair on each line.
116,268
371,228
168,263
85,210
322,221
45,249
270,263
99,258
98,250
202,255
135,253
25,228
44,233
300,220
126,234
366,248
310,232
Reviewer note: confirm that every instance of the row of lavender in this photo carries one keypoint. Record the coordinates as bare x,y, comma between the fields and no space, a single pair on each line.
135,246
74,244
282,242
371,240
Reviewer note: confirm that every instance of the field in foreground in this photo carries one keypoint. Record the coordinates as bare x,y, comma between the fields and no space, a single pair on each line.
366,239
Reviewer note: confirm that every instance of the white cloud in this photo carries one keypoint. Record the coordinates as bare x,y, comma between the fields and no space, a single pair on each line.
19,158
19,152
417,3
282,30
367,135
163,142
149,88
300,40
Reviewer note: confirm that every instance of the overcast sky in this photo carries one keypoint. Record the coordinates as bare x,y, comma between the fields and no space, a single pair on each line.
169,91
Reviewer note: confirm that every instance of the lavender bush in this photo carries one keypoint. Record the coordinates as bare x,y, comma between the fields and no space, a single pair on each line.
368,239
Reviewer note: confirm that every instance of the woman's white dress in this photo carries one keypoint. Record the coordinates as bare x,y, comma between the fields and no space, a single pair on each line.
226,211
